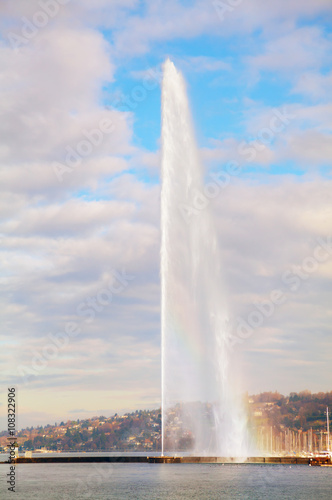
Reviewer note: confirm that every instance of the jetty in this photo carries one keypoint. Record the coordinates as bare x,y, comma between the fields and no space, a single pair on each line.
161,460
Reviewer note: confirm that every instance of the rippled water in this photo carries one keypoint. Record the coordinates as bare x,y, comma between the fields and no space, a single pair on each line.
168,481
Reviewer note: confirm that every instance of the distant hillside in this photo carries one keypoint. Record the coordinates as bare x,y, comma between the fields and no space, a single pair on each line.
140,430
301,410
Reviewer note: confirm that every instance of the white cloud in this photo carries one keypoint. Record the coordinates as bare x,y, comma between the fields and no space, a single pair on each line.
74,217
205,63
293,131
298,49
59,97
65,255
171,20
314,85
308,148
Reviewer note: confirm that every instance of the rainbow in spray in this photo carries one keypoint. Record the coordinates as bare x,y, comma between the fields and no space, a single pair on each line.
199,406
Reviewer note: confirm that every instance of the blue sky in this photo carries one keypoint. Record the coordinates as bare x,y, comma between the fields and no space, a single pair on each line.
74,212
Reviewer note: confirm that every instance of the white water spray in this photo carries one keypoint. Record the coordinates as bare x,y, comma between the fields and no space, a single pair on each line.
200,409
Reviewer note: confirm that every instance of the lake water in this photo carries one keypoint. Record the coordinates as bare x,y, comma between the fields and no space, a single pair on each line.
106,481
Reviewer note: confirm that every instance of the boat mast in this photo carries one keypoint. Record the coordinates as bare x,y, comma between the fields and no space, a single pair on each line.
328,429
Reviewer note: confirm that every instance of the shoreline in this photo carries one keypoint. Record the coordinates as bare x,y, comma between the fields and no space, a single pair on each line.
163,460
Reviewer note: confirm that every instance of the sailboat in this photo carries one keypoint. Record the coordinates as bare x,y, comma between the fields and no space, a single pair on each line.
324,458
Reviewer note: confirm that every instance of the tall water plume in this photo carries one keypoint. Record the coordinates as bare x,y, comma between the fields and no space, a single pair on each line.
200,408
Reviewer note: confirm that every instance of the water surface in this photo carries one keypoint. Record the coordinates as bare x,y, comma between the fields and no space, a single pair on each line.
168,481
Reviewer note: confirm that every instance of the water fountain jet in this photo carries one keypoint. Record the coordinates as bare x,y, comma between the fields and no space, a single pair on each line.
200,409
